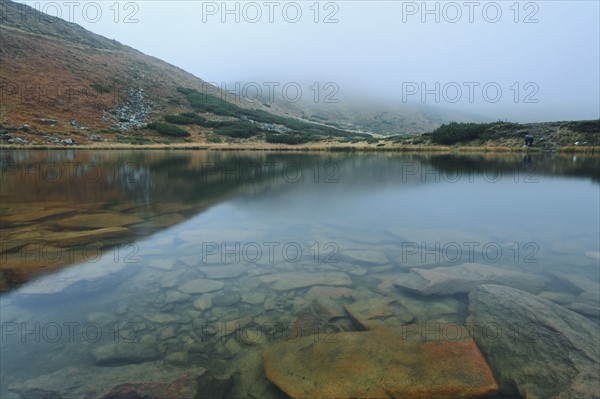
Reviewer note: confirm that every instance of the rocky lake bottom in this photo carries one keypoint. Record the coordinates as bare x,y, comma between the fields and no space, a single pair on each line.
352,289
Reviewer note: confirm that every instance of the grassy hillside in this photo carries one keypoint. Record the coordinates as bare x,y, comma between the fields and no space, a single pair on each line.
245,123
61,84
549,136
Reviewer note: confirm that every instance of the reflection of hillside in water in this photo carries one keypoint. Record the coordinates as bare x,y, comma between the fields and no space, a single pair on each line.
62,207
58,205
332,172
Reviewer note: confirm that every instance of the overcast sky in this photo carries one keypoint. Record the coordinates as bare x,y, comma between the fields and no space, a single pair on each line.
522,61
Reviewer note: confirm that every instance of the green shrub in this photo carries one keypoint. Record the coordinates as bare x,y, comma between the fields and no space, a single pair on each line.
180,120
238,130
166,129
454,132
189,114
201,102
288,138
583,126
212,138
101,89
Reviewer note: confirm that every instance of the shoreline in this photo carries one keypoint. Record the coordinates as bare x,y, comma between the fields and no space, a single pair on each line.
587,150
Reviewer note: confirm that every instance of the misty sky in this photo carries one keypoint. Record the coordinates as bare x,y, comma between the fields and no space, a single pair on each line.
521,61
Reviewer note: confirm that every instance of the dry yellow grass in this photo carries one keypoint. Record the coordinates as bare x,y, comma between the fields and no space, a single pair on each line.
323,146
577,149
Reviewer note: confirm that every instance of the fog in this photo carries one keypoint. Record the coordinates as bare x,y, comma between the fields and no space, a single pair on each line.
520,61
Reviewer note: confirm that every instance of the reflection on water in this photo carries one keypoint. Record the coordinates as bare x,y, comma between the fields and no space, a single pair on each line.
190,260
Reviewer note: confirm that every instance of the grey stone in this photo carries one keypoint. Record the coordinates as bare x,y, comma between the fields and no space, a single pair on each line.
149,381
226,298
462,278
374,311
253,298
365,257
584,309
201,286
224,271
176,297
117,353
204,302
292,280
537,346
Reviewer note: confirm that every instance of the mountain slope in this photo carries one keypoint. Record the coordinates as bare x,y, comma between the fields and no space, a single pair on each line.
55,70
372,115
59,80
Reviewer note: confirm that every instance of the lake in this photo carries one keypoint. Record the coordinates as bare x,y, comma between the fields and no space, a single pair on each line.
123,266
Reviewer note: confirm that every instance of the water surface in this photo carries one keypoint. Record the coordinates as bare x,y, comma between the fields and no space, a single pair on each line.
214,256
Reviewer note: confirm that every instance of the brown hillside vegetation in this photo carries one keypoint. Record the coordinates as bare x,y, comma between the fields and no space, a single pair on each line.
53,72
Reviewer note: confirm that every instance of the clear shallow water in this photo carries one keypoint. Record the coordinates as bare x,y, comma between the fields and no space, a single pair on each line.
221,251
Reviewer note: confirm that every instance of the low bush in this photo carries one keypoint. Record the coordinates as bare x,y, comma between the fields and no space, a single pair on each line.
238,130
166,129
288,138
454,132
583,126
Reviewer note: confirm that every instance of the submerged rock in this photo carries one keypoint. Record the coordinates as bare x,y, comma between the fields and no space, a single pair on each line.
580,282
148,381
374,311
204,302
163,264
177,358
224,271
293,280
306,323
226,298
99,220
536,346
377,364
201,286
366,257
35,215
176,297
126,352
584,309
328,302
253,298
161,318
71,238
462,278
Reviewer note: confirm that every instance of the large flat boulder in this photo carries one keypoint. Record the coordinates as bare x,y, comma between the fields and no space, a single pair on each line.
377,364
462,278
536,346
